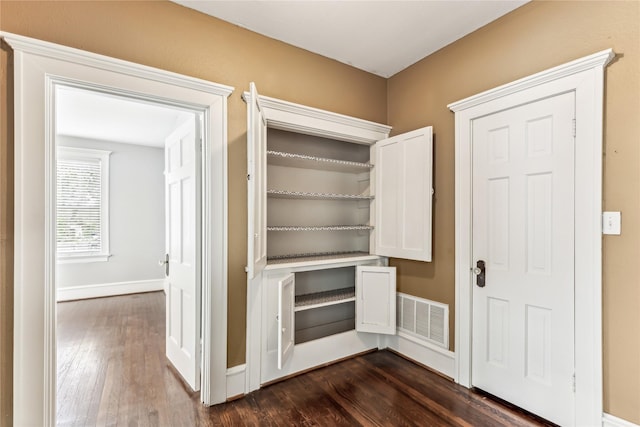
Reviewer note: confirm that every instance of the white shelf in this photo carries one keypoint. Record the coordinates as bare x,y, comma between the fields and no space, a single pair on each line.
324,331
308,259
319,227
284,194
323,299
311,162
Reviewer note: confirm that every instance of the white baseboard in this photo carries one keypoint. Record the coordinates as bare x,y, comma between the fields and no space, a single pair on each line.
611,421
108,289
425,353
236,381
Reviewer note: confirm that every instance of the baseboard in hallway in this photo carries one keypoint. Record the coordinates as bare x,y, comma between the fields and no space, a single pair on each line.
72,293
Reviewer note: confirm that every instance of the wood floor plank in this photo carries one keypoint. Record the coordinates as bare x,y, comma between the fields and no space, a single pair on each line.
112,371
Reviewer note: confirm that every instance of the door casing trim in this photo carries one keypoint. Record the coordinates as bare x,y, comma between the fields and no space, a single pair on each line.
585,77
38,67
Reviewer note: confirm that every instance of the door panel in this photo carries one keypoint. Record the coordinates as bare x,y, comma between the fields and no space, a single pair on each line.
183,248
257,185
523,188
286,319
376,299
403,205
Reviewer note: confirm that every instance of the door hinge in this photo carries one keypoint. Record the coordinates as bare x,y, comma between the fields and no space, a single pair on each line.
248,177
573,382
573,127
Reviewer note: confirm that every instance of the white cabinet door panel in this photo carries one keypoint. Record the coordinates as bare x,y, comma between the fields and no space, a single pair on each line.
257,186
403,188
376,299
286,322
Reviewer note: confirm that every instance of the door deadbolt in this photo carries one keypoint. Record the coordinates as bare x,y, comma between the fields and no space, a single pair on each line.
479,271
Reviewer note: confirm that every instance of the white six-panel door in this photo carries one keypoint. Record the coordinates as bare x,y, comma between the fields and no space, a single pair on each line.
523,318
182,242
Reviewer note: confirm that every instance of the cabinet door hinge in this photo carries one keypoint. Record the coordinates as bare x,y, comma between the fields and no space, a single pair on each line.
573,382
573,127
248,177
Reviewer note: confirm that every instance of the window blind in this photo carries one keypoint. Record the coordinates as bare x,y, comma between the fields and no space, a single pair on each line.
79,202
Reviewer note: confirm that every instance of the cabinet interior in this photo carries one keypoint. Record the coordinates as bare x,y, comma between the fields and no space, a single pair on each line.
318,197
324,303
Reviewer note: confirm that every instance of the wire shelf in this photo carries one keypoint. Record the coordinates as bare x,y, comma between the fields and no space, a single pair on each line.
319,228
301,160
322,299
284,194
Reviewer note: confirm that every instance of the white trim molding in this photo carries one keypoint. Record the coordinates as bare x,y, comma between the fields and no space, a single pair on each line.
299,118
72,293
422,352
609,420
585,78
39,67
236,382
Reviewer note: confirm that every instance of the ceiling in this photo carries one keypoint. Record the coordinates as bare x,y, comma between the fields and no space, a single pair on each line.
93,115
381,37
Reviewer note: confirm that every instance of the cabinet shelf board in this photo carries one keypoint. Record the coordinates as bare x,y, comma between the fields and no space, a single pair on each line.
322,331
305,260
319,228
323,299
284,194
293,160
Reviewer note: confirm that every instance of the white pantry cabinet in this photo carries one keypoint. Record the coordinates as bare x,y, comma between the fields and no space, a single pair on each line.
329,198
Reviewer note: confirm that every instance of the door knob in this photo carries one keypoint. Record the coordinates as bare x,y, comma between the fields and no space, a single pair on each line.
165,262
479,271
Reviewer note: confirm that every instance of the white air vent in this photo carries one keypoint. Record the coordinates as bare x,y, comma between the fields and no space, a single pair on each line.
423,319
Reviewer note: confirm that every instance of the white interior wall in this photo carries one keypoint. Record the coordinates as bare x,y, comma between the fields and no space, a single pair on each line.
136,215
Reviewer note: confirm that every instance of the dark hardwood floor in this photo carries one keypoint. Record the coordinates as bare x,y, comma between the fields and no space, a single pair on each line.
112,371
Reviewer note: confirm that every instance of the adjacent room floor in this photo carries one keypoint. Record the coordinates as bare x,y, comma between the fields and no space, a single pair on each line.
112,371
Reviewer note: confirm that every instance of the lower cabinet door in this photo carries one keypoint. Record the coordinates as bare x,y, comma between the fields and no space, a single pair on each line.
376,299
286,325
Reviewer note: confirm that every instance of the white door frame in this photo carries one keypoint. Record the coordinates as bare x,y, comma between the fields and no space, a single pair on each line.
38,67
585,77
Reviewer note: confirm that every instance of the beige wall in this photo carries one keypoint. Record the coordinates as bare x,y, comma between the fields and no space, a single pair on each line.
537,36
534,37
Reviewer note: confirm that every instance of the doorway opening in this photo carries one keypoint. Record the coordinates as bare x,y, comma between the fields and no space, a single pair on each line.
40,67
111,241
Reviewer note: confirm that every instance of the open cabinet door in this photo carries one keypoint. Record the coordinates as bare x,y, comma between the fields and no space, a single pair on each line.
257,185
182,262
286,325
403,168
376,299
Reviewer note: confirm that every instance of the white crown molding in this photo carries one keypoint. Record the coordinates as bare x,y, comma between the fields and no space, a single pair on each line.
287,115
598,59
76,56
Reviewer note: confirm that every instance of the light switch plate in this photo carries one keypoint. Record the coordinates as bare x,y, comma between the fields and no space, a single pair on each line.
611,223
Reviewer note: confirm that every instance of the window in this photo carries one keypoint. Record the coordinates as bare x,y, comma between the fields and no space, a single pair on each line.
82,219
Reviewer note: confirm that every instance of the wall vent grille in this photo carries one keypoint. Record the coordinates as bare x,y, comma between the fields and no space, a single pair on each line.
423,319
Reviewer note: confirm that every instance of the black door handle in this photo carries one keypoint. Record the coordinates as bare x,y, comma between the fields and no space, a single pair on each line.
480,273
